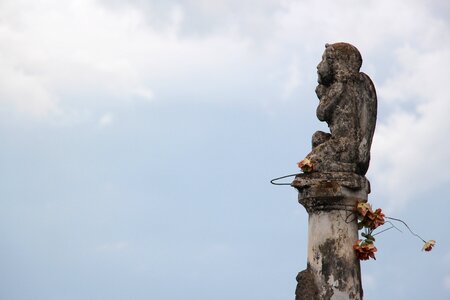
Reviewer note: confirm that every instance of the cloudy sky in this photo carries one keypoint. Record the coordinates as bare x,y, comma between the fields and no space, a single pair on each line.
138,139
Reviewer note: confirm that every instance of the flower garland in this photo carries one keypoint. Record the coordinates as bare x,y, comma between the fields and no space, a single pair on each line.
368,220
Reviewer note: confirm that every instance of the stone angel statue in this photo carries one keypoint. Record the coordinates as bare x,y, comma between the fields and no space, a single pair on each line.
348,103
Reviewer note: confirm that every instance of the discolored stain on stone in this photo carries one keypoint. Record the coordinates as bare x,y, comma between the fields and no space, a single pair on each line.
306,286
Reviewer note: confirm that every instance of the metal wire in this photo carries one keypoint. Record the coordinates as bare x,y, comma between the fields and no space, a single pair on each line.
282,177
392,226
404,223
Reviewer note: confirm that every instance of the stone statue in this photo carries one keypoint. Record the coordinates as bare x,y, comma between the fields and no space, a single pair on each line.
333,181
348,103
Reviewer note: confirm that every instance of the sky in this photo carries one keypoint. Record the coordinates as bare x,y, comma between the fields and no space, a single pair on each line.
138,139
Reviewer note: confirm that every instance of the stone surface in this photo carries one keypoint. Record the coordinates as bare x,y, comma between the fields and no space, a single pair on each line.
333,270
330,191
340,159
306,286
348,103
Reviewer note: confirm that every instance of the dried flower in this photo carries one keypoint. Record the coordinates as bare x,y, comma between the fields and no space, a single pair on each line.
429,245
306,165
364,250
369,219
377,219
363,208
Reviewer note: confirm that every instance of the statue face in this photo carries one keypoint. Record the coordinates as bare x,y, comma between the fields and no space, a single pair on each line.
325,69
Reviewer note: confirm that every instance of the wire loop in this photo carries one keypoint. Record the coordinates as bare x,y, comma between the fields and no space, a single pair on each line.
282,177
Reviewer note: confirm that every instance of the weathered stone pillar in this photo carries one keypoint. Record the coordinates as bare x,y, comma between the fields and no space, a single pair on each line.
333,270
333,180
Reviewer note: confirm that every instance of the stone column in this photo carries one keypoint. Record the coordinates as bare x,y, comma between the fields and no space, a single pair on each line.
333,270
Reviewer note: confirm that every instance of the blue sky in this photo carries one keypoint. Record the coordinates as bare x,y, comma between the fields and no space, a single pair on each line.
139,138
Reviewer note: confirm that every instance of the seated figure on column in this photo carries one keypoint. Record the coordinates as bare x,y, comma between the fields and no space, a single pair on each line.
348,103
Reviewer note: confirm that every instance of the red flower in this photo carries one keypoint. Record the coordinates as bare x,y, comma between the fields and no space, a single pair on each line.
429,245
306,165
364,250
369,219
377,219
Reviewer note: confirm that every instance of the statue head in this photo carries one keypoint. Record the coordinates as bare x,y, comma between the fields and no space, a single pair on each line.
340,62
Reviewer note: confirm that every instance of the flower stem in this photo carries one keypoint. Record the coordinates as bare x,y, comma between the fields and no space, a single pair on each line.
412,232
392,226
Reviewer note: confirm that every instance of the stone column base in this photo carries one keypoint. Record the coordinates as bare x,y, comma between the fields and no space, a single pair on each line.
330,200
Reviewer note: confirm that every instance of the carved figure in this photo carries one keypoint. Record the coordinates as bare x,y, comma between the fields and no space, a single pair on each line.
348,103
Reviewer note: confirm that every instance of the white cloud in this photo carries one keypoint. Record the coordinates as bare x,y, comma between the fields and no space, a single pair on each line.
364,24
411,145
26,92
51,50
144,93
56,57
76,51
106,120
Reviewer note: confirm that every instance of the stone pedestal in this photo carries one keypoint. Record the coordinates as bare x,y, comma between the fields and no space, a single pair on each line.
333,271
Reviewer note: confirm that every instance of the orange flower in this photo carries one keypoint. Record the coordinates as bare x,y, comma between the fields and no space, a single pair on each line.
364,250
369,219
363,208
306,165
429,245
378,219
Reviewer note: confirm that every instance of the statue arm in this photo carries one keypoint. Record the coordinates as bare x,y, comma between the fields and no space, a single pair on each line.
329,100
